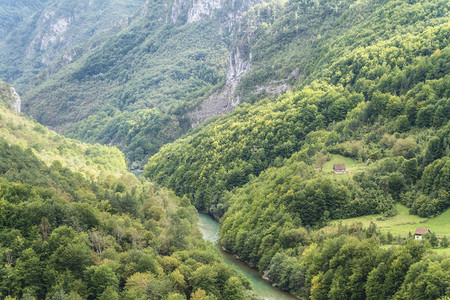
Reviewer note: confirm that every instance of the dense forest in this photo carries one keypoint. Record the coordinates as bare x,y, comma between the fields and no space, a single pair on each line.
377,99
363,83
95,161
383,101
67,234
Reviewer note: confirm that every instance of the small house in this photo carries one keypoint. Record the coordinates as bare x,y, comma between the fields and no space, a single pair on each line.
339,168
420,232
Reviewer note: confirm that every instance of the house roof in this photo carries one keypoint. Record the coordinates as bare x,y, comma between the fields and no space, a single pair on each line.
339,167
422,231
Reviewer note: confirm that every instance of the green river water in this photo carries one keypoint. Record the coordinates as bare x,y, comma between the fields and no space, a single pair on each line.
210,230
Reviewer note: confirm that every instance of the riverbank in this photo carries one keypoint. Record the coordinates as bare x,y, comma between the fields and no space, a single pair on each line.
263,288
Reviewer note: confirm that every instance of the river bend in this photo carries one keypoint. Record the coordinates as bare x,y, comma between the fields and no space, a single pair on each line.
264,289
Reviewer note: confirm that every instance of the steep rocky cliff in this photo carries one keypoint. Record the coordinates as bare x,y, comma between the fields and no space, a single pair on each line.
203,8
16,100
230,15
225,99
191,11
9,98
38,32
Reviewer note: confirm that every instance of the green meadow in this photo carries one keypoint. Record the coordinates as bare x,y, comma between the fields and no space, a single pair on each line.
350,164
403,223
443,251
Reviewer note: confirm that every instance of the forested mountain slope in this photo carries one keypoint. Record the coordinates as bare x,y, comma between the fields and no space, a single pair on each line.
135,88
36,33
75,225
95,161
179,62
377,97
300,41
13,12
384,84
370,87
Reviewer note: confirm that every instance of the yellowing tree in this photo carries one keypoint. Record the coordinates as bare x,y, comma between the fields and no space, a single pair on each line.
199,294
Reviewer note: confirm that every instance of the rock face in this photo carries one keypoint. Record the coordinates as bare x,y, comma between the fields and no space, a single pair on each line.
17,100
202,8
178,7
49,29
239,63
9,98
49,38
196,10
225,100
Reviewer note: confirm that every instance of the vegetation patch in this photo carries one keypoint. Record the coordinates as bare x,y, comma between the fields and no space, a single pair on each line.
403,223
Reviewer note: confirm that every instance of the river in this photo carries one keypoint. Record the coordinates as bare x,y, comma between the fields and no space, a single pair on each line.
264,289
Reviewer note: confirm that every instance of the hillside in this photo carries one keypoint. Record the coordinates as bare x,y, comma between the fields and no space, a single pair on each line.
179,63
305,85
36,33
367,101
403,223
135,88
13,12
75,225
95,161
377,98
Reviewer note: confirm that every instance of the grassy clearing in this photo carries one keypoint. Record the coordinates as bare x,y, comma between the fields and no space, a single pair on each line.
440,251
350,164
443,251
403,222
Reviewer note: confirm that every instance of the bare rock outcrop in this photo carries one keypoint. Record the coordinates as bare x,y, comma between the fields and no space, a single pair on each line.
202,8
239,63
225,100
17,100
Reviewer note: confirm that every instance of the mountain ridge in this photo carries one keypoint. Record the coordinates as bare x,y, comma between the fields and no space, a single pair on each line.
49,29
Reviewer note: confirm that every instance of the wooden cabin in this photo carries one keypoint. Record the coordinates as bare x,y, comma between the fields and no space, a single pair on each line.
420,232
339,168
